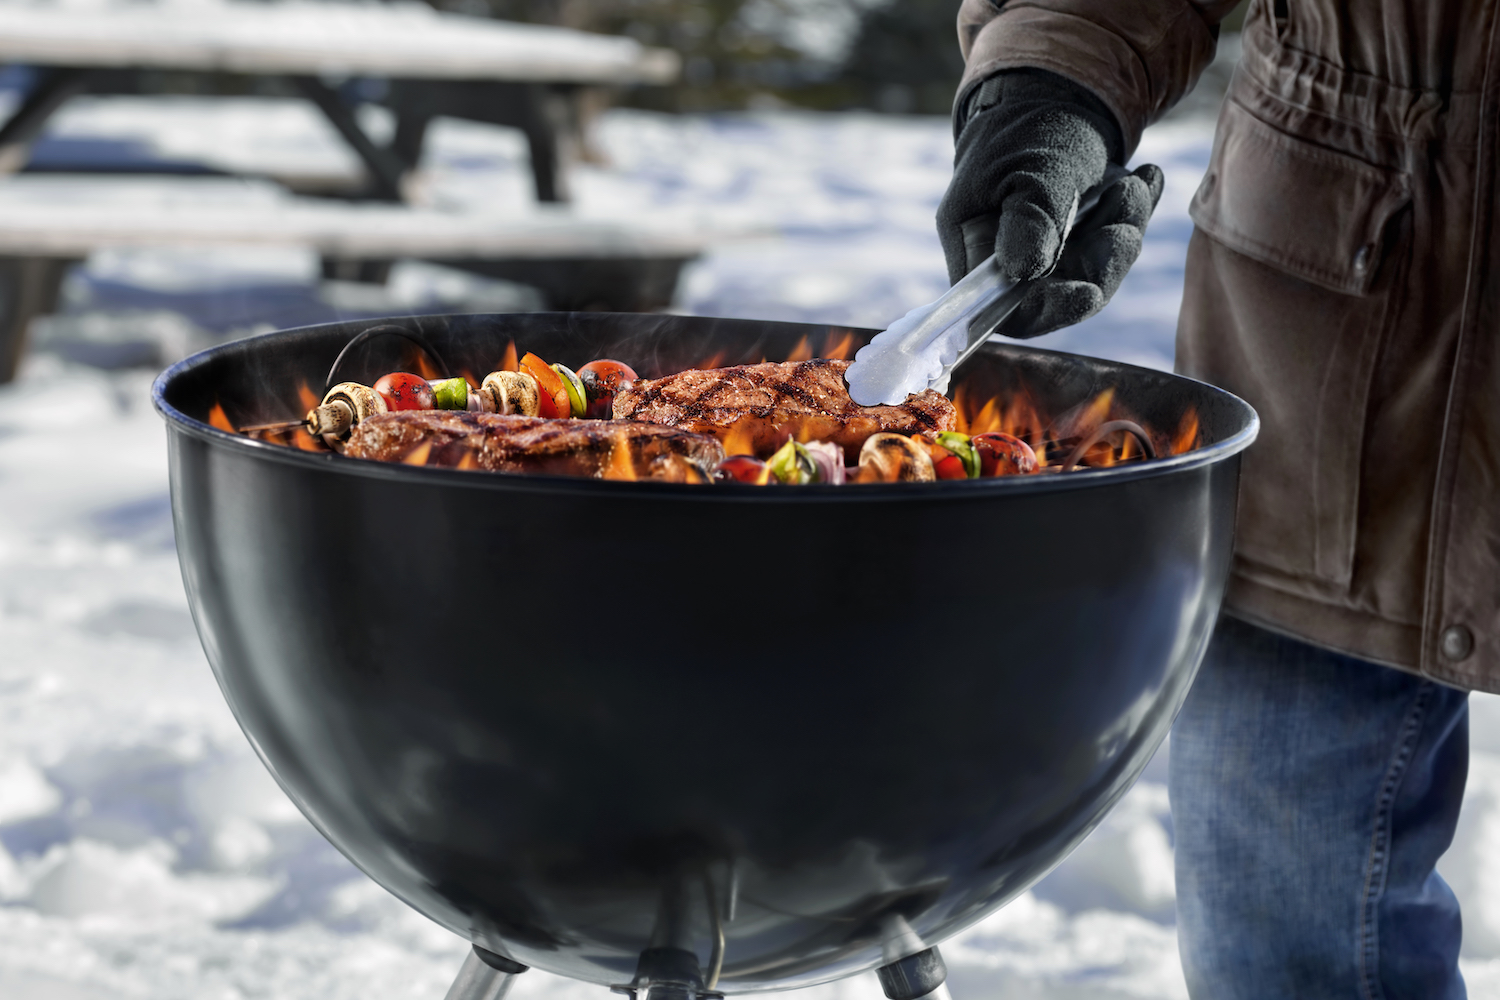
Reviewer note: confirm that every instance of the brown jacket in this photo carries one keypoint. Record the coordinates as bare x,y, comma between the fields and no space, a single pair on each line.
1343,278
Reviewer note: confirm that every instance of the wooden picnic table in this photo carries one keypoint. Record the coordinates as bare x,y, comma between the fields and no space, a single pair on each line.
433,64
427,63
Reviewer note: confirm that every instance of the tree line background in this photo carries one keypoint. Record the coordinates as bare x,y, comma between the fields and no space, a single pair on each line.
897,56
889,55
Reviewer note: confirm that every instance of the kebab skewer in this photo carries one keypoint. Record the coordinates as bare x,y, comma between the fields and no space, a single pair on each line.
537,390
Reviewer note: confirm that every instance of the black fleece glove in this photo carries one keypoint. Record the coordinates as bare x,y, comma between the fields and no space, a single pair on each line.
1029,143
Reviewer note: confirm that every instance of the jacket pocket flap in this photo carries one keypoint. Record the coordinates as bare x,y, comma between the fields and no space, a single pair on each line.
1306,210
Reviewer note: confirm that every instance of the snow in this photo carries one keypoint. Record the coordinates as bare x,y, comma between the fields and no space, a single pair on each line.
144,853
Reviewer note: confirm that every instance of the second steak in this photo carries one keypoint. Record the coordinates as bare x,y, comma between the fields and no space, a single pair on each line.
605,449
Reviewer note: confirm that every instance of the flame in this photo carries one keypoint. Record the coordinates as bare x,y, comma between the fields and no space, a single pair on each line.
418,455
713,362
509,362
1127,446
1188,436
426,369
739,440
1096,412
304,441
838,348
619,467
1018,416
218,418
801,352
307,397
468,375
468,461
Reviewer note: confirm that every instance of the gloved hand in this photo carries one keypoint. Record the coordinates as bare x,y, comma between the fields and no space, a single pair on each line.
1031,142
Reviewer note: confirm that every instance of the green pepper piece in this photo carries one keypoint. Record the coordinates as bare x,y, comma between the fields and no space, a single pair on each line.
450,394
792,465
961,446
578,400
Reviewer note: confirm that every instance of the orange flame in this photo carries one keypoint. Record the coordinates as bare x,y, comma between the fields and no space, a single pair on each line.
1096,412
469,378
714,361
1018,416
801,352
426,370
304,441
418,455
509,361
307,397
1188,435
619,467
218,418
468,461
739,440
837,347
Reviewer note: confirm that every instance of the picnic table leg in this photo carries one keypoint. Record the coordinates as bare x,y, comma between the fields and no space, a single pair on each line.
54,88
541,135
385,166
529,107
28,289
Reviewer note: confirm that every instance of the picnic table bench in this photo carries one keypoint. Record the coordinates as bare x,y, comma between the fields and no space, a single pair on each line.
49,222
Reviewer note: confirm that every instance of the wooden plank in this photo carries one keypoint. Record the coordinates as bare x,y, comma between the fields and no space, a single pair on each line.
70,217
314,38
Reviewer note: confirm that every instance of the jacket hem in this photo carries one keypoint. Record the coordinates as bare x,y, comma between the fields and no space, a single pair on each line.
1344,630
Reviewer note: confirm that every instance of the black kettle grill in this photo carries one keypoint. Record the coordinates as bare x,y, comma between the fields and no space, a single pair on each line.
694,740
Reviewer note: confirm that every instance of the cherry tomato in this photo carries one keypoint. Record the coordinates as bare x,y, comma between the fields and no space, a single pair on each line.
1003,455
550,386
602,381
405,391
743,469
609,372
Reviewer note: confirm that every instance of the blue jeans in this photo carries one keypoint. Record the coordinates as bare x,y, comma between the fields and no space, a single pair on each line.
1312,794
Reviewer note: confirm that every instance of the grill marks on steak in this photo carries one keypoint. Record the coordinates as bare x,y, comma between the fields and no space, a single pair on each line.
755,408
496,442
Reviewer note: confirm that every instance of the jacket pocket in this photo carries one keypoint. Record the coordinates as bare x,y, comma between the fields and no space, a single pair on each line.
1311,212
1286,303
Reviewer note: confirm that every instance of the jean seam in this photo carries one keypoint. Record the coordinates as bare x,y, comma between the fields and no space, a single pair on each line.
1377,865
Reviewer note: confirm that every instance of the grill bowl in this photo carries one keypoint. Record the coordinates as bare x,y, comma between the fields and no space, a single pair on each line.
573,719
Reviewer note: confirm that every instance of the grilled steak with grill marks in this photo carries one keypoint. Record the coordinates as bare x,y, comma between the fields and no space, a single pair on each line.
608,449
755,408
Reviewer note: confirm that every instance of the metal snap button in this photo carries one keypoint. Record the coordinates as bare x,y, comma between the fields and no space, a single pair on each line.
1362,259
1457,642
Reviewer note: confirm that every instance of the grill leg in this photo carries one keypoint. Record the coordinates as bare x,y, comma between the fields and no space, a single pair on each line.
484,976
917,977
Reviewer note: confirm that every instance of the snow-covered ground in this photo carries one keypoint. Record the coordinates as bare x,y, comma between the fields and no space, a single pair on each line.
143,851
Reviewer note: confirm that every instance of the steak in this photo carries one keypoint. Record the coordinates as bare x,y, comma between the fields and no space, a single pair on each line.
754,409
605,449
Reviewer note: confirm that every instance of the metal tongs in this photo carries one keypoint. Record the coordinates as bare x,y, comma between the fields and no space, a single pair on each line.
920,350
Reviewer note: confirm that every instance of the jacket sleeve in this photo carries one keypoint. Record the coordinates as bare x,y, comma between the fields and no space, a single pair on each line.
1139,56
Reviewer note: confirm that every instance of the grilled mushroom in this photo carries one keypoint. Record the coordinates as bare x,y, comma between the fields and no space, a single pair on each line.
345,405
513,392
893,458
